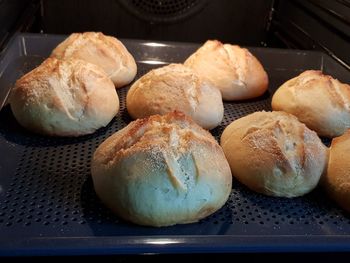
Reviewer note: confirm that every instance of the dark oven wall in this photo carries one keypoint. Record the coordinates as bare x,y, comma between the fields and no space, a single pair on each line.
16,15
301,24
240,21
313,24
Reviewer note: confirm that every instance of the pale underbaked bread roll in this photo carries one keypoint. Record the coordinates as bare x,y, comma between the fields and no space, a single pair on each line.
337,179
64,98
274,154
161,171
232,69
105,51
175,87
319,101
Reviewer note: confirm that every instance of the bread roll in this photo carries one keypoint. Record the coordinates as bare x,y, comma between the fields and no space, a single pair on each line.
105,51
232,69
274,154
64,98
175,87
161,171
337,179
318,100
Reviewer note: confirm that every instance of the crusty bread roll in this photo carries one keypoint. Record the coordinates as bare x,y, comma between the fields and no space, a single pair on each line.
105,51
274,154
175,87
232,69
64,98
318,100
337,179
161,171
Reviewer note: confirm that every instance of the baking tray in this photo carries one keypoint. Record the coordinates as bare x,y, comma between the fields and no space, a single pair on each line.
48,205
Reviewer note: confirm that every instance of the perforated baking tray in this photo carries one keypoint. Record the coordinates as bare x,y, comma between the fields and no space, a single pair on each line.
48,205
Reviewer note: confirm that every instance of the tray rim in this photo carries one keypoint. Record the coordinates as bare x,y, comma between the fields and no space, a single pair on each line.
166,42
125,245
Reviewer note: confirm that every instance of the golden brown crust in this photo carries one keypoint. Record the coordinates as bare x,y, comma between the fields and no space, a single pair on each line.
161,170
175,87
337,180
232,69
318,100
274,154
105,51
155,130
63,98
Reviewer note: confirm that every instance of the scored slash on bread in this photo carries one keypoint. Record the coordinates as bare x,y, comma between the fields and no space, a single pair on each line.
318,100
232,69
161,171
176,87
274,154
105,51
64,98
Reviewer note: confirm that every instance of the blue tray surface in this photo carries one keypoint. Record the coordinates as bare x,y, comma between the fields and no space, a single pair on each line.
48,205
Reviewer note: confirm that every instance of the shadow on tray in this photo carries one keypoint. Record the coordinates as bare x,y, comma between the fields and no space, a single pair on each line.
13,132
